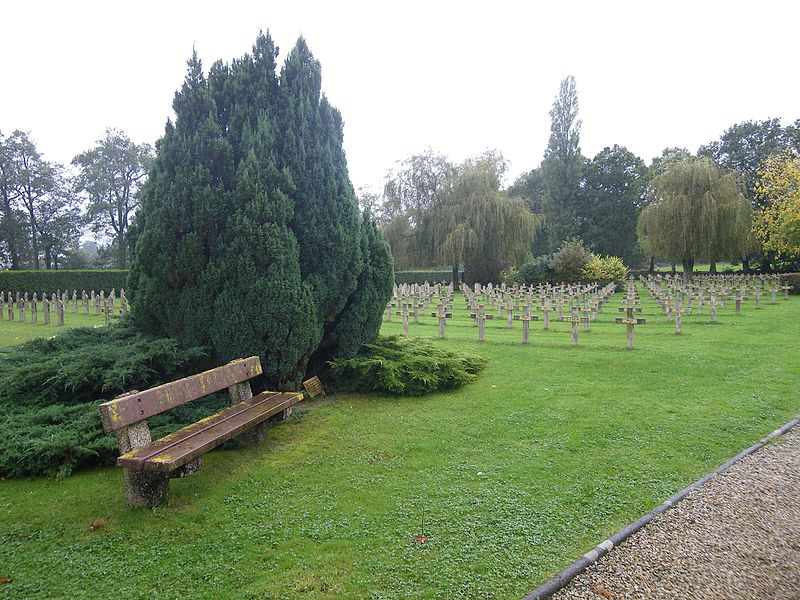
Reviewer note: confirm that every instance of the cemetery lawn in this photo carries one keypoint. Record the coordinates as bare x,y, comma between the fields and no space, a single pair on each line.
17,332
549,452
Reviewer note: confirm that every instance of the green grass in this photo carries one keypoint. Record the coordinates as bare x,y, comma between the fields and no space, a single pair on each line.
552,449
700,267
16,332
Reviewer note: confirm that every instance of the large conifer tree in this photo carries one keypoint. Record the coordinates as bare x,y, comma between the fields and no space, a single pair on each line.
248,236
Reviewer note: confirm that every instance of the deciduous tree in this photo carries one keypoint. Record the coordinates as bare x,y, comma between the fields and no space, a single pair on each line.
111,174
697,212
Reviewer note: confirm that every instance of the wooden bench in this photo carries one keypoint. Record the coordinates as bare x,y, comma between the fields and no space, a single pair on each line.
148,465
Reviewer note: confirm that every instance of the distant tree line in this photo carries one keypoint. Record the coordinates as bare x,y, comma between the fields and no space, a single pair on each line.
615,203
46,207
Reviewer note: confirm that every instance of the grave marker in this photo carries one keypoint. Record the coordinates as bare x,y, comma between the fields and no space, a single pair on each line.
629,320
575,320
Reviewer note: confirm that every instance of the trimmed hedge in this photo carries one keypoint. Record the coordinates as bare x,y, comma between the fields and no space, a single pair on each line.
421,277
50,282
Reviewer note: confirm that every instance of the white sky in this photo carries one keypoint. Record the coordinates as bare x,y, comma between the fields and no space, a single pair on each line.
460,77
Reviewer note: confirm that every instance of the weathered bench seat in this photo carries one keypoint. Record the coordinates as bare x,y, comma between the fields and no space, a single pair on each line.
148,465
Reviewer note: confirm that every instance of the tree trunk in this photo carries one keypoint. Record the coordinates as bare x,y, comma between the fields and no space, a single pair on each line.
674,270
48,261
455,277
652,268
122,254
688,267
712,267
746,265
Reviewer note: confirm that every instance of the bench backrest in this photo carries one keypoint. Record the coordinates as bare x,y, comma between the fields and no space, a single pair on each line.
138,406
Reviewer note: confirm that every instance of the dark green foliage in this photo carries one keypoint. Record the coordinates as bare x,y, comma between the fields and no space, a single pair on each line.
612,191
539,270
361,318
423,276
50,389
51,281
248,239
792,279
569,260
484,271
404,367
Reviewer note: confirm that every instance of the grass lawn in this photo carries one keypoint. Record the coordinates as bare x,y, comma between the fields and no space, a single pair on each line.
16,332
699,267
552,449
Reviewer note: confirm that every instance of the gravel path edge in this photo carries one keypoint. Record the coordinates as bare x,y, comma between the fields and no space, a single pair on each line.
565,575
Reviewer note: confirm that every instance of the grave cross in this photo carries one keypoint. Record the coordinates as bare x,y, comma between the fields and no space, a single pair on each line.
679,311
757,292
480,318
714,304
786,287
443,315
526,319
46,309
405,314
34,308
575,320
629,319
546,309
10,307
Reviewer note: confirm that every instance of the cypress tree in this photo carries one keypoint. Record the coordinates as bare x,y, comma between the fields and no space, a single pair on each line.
360,320
248,238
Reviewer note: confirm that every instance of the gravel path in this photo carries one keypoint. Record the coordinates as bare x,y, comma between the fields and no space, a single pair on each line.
736,537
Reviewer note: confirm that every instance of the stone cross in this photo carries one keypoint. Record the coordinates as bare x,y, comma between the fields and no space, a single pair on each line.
123,304
46,309
679,311
526,319
757,292
786,287
575,320
480,317
60,311
405,314
442,314
629,320
10,307
739,298
108,310
101,302
85,300
714,304
74,301
34,308
546,309
21,304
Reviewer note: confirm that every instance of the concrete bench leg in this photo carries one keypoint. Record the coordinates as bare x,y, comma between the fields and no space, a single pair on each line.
145,489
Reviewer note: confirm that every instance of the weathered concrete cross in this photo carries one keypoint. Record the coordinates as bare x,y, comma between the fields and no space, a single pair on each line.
443,315
575,320
629,319
526,319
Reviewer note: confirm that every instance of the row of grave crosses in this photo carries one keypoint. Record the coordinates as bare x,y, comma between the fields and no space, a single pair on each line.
515,302
677,298
18,305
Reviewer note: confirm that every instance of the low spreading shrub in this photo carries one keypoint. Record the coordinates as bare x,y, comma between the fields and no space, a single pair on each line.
50,389
404,367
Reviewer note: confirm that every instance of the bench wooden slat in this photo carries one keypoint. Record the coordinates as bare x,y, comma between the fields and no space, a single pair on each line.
184,445
138,406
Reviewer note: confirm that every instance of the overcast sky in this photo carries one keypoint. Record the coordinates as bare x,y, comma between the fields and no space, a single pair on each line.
458,77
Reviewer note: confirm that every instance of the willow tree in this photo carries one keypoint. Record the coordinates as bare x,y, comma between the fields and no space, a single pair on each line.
474,221
697,212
